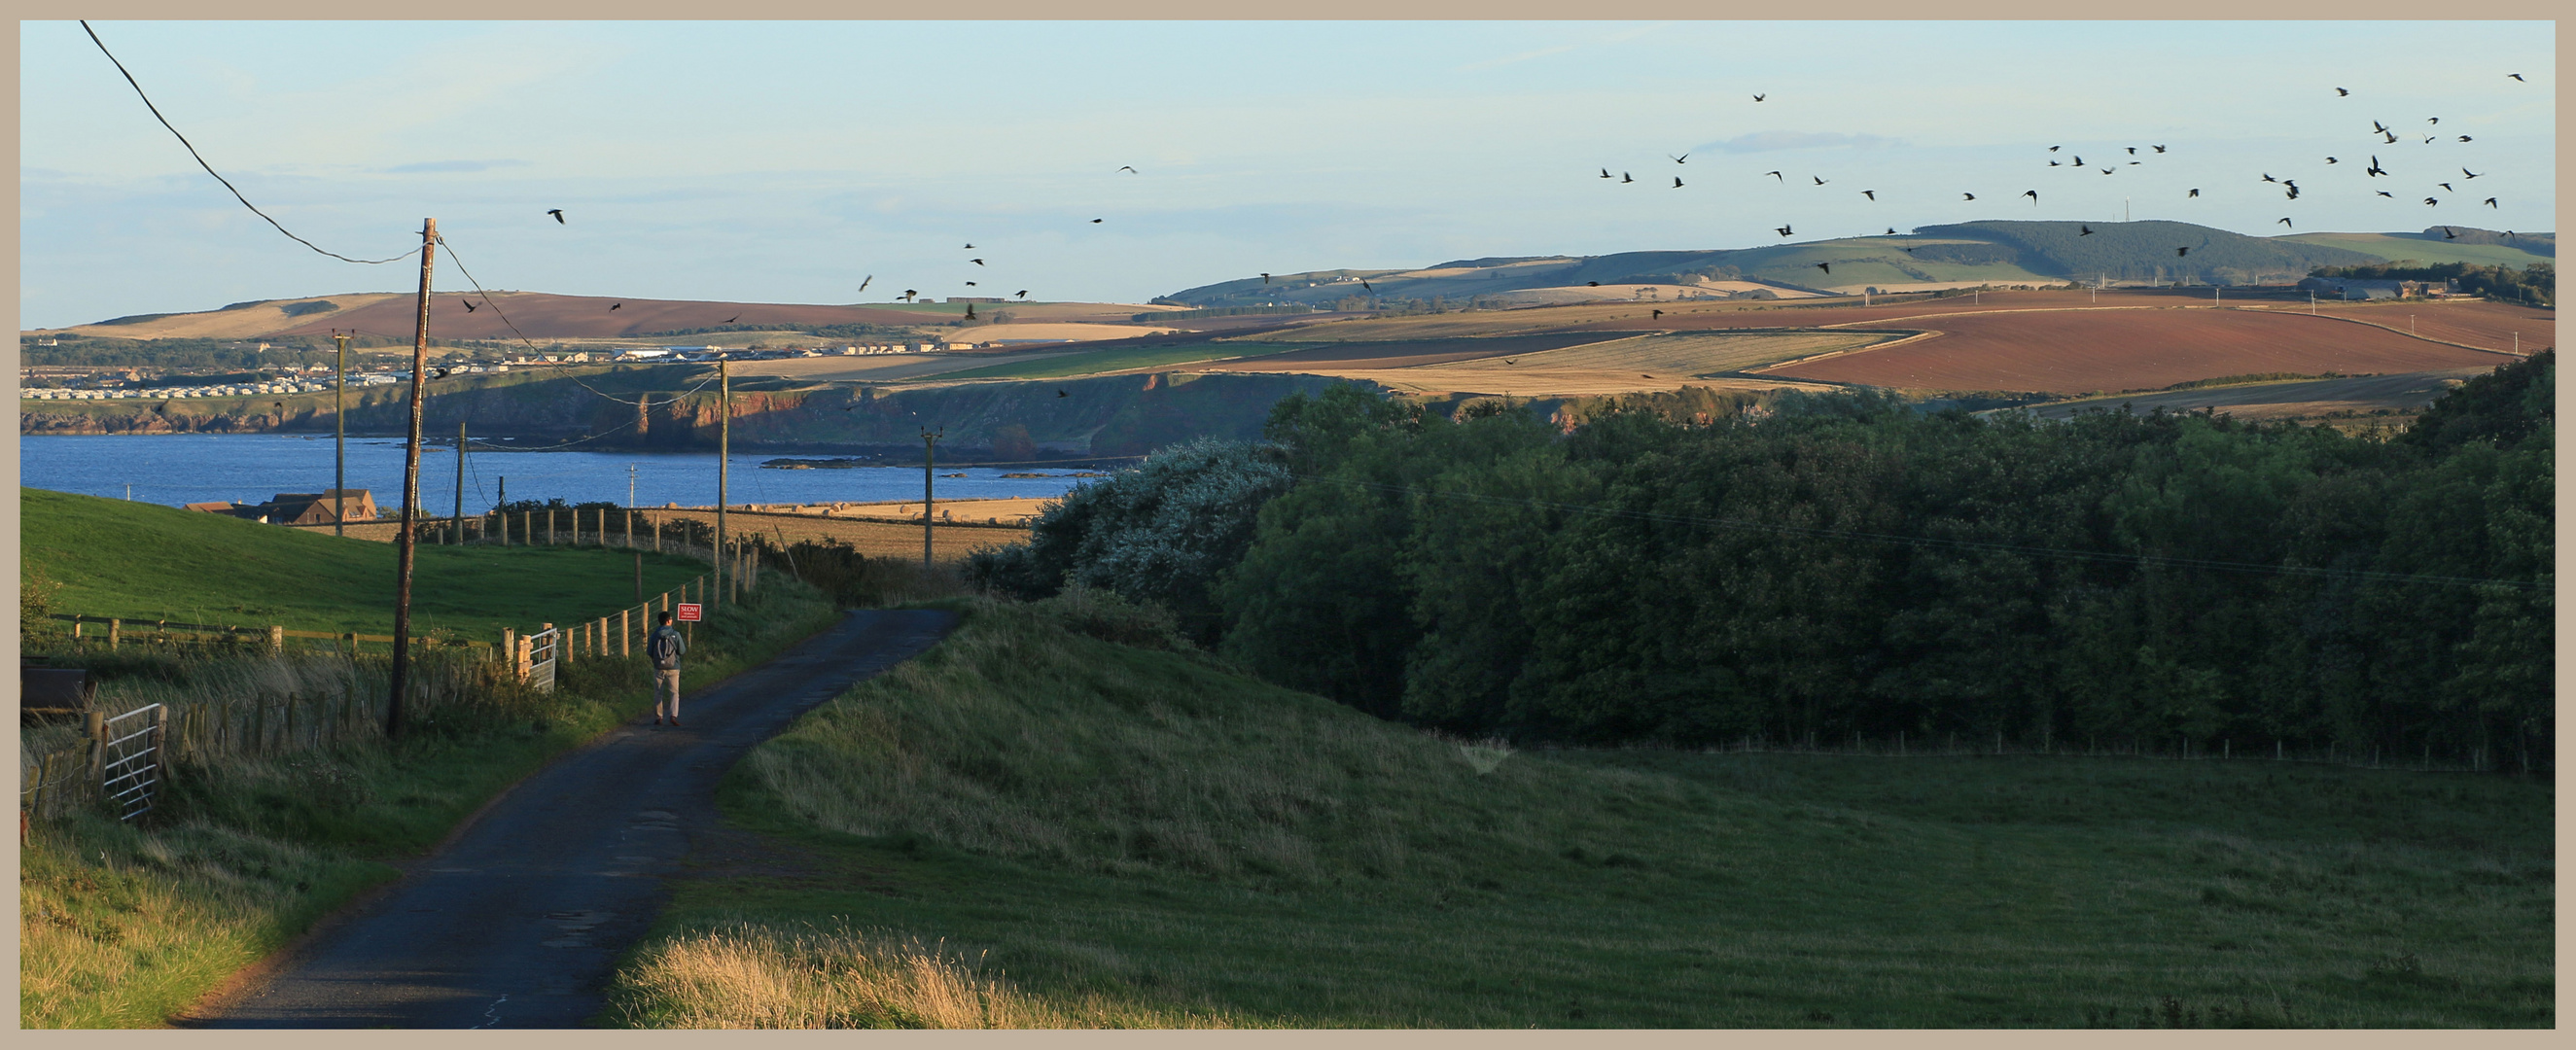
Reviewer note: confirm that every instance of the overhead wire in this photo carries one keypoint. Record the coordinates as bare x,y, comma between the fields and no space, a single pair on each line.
2363,575
210,169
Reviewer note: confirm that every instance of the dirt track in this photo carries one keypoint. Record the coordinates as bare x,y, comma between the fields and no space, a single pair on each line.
518,921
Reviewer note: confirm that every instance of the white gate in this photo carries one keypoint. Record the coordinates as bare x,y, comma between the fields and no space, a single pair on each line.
130,764
536,657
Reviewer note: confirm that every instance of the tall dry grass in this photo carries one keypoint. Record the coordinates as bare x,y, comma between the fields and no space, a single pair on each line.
751,975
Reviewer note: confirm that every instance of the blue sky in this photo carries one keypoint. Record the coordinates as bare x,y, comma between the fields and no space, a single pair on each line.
787,161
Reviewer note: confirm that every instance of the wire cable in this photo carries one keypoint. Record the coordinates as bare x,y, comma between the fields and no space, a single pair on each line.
2363,575
210,169
642,402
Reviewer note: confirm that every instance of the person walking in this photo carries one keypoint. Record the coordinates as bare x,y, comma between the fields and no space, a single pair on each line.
664,647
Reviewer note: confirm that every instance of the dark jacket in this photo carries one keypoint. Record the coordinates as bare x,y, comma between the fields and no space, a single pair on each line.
664,647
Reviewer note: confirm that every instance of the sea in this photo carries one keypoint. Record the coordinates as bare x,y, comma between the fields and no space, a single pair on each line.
175,469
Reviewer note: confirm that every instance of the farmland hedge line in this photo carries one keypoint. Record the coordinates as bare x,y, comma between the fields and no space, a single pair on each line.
1846,564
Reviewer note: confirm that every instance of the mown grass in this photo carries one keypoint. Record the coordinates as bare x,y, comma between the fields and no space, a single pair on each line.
1120,360
1126,834
124,925
142,561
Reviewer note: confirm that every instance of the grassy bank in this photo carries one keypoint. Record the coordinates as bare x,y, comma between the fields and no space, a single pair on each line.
121,925
1103,834
142,561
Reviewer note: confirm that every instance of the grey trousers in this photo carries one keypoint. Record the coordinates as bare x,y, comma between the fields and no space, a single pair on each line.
666,693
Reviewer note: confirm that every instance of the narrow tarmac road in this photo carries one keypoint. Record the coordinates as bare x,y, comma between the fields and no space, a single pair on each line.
517,923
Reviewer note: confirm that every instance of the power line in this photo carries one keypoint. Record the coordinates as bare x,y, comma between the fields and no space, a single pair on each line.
531,345
1928,541
210,169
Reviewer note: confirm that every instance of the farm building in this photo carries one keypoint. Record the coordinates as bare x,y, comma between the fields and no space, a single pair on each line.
298,508
2357,288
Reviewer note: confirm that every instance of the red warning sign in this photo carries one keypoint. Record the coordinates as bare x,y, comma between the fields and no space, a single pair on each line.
685,612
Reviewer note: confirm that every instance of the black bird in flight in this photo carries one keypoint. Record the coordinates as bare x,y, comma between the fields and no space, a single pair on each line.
2055,164
2428,139
1605,173
2392,136
2088,231
2464,138
1871,194
863,282
1775,175
733,319
1364,284
970,284
2133,151
2448,235
908,294
970,247
2160,149
1095,222
2517,76
2390,196
1827,267
2293,194
1757,98
557,213
1511,360
2430,202
469,305
2331,160
2195,193
1784,230
2079,161
1625,177
2288,223
1677,183
2033,195
2267,177
1265,278
1969,196
1129,169
2491,202
2432,120
1819,181
2379,127
442,374
1891,231
1658,313
2052,149
2341,92
1646,375
1680,159
614,306
2374,170
1060,392
970,311
1592,284
2179,252
2107,171
2446,186
978,262
1023,293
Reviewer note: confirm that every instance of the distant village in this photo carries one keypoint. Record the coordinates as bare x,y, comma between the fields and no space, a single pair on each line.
97,384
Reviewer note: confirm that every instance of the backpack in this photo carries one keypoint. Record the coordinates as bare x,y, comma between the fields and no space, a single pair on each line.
663,648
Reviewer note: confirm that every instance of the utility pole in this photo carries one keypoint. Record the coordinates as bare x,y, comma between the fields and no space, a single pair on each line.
724,467
929,438
411,488
340,442
458,522
630,486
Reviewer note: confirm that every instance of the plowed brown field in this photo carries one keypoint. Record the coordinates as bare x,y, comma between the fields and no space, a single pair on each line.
2077,351
2481,324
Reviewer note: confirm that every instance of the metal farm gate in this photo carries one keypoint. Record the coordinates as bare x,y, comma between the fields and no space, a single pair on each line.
131,758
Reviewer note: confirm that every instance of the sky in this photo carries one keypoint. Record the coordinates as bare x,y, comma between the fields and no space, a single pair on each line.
792,161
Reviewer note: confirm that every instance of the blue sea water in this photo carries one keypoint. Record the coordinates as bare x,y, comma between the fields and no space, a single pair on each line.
173,469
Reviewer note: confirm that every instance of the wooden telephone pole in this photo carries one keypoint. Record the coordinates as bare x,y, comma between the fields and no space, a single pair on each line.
929,438
724,466
411,487
340,442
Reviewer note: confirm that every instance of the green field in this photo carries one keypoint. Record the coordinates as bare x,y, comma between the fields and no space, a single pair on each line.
1119,360
1125,836
146,562
1874,260
2394,247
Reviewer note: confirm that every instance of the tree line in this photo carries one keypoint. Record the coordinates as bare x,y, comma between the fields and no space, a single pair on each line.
1825,566
2536,283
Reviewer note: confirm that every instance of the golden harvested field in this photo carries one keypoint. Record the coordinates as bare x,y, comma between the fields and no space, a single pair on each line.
1659,362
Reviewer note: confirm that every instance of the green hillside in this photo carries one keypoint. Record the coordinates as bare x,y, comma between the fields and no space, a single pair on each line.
142,561
1136,837
2140,250
2433,248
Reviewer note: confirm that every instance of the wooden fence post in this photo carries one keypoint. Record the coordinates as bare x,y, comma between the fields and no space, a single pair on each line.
94,725
276,640
115,633
625,634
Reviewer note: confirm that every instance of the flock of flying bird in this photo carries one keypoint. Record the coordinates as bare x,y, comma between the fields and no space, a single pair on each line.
2075,162
2069,159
